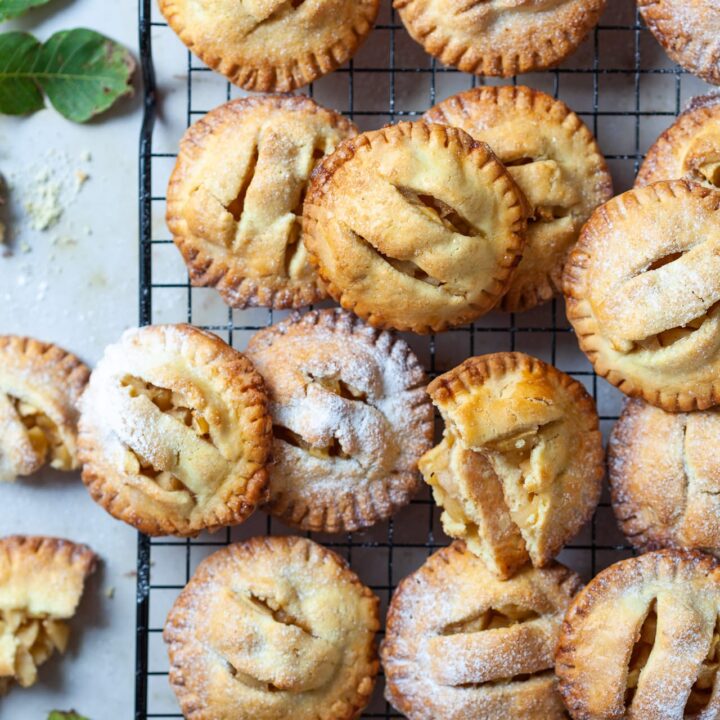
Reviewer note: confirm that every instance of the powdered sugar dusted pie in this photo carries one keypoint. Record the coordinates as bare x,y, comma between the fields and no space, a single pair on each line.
41,582
641,641
642,287
175,433
40,385
416,226
350,416
665,477
462,644
519,469
272,45
689,30
275,627
689,148
499,37
557,164
236,194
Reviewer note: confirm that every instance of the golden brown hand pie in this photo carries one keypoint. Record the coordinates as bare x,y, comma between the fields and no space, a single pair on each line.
41,582
499,37
416,226
275,627
642,287
175,433
40,384
235,197
641,641
689,30
689,148
274,45
519,469
665,477
554,159
350,417
461,644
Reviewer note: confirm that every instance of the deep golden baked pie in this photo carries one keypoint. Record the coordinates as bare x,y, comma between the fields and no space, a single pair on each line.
642,287
689,30
274,627
350,419
41,582
175,432
272,45
642,641
555,160
416,226
665,477
689,148
236,194
499,37
40,385
461,644
520,466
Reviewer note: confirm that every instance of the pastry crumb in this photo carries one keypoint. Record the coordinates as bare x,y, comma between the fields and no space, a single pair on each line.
110,592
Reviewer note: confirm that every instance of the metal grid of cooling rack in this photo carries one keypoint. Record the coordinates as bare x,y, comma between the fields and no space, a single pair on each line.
619,82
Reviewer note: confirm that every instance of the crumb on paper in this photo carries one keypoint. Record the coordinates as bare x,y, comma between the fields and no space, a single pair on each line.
110,592
43,206
25,247
86,156
63,241
81,177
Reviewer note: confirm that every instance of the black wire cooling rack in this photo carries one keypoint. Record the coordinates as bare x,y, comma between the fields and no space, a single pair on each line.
619,82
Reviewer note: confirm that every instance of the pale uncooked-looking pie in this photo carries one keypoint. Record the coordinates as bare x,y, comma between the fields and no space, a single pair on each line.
555,160
665,477
520,466
351,419
175,432
272,45
499,37
40,385
41,582
236,194
642,287
461,644
416,226
642,641
274,627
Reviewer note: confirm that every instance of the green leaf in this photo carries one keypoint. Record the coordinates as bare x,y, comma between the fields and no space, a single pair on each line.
58,715
13,8
82,72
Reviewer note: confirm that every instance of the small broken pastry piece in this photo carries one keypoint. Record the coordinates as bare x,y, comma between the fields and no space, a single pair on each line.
520,466
274,627
40,385
461,644
175,433
41,583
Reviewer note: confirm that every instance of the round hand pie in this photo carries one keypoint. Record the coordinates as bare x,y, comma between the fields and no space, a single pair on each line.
642,287
462,644
689,148
665,477
40,385
266,45
555,160
689,30
519,469
415,226
275,627
350,417
641,641
175,432
41,582
235,198
499,37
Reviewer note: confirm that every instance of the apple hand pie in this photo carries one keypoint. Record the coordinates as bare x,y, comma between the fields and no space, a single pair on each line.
274,627
41,582
175,433
462,644
520,466
40,385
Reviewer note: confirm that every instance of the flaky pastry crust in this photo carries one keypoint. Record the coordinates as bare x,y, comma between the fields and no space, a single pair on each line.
274,627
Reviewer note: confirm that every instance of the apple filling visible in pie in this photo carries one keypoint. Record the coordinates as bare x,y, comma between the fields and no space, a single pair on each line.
43,435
